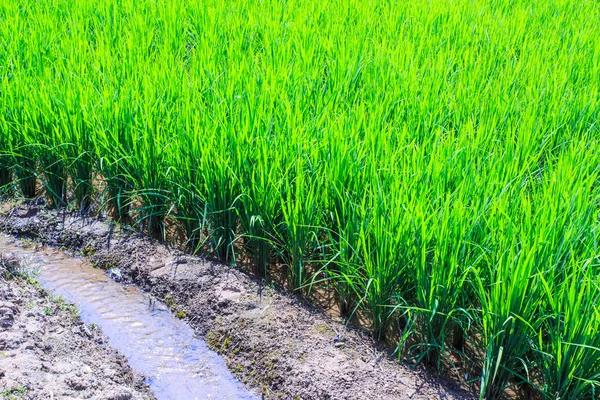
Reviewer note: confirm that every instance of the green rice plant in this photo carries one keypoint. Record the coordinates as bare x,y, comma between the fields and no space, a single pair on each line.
6,178
21,155
386,260
26,177
113,149
220,193
118,187
440,287
147,173
259,210
78,154
568,344
49,154
188,194
6,164
54,177
193,217
188,201
506,333
297,237
343,214
343,265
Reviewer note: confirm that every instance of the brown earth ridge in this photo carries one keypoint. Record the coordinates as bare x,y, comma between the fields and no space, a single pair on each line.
270,340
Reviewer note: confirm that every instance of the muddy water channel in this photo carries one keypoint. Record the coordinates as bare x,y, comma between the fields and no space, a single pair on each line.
177,365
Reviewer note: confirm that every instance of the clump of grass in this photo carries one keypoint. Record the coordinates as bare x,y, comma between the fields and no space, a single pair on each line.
10,264
11,267
16,392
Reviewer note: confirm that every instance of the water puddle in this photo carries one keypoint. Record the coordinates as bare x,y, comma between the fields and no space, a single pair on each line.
176,363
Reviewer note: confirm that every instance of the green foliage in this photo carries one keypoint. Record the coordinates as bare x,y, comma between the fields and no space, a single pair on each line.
436,164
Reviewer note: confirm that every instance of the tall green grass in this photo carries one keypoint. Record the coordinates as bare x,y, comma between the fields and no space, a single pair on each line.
436,164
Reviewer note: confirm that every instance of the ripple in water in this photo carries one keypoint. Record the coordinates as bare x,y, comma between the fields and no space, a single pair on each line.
164,349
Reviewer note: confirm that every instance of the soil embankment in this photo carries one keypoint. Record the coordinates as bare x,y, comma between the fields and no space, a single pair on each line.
47,352
271,340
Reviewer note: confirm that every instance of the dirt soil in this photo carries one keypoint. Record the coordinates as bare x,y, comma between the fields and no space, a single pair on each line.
47,352
271,340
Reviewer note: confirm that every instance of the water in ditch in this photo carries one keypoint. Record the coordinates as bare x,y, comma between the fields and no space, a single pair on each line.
177,365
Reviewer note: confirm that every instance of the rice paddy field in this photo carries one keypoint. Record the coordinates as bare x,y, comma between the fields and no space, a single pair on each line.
435,165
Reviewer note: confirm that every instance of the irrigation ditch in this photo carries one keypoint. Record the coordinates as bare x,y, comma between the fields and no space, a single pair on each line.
275,343
154,343
48,352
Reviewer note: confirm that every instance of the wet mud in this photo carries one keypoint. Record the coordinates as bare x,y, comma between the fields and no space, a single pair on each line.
271,340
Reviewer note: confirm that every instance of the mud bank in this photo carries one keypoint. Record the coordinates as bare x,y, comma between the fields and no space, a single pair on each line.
47,352
271,340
